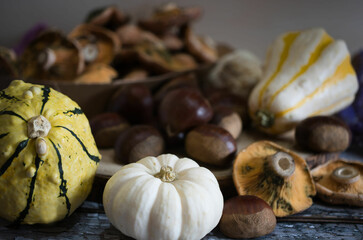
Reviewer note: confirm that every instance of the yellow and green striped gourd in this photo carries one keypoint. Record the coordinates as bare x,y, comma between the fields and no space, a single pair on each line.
306,73
48,157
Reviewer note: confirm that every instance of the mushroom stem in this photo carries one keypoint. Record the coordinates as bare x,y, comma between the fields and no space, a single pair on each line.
166,174
346,175
282,164
47,58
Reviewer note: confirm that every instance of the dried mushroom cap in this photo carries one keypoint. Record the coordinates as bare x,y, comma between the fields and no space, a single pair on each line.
51,56
110,17
158,59
7,62
203,48
135,74
98,44
172,42
97,73
169,16
131,34
275,174
340,182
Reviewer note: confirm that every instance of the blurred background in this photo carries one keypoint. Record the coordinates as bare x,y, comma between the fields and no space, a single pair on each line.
246,24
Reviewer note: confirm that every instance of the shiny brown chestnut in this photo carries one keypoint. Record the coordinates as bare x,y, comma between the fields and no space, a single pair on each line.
222,97
210,144
182,109
323,134
137,142
188,80
134,102
228,119
106,127
247,217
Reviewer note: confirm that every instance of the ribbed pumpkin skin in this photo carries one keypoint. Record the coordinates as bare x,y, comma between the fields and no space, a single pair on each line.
43,188
307,73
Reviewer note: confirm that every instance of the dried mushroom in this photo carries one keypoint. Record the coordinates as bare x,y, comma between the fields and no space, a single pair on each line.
97,73
131,35
202,48
340,182
135,74
98,45
172,42
275,174
110,18
158,59
51,56
7,62
169,16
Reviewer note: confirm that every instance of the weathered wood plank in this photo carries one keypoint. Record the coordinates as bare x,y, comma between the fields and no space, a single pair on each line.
90,222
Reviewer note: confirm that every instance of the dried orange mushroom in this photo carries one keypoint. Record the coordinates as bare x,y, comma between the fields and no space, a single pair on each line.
8,60
98,45
97,73
202,48
276,175
340,182
169,16
110,18
158,59
51,56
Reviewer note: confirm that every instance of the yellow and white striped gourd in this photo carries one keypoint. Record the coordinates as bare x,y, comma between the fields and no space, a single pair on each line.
48,157
307,73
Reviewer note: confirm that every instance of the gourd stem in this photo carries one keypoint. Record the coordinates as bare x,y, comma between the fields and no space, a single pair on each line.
282,164
38,126
264,118
346,175
166,174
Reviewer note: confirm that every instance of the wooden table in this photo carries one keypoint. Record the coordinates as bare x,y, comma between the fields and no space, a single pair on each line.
90,222
321,221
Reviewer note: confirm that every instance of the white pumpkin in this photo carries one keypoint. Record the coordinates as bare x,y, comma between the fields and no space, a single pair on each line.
163,197
307,73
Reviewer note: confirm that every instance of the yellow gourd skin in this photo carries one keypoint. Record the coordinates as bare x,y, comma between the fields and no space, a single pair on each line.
307,73
38,187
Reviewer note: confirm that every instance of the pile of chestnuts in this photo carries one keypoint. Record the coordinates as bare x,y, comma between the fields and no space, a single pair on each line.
181,116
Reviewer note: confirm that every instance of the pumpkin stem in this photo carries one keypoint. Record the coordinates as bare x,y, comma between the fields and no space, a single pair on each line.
345,175
166,174
264,118
282,164
38,126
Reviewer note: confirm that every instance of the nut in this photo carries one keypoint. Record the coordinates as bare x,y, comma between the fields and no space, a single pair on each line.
134,102
223,97
106,127
182,109
210,144
247,217
323,134
138,142
228,119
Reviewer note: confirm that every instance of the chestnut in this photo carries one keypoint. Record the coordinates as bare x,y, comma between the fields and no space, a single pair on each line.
134,102
323,134
106,127
228,119
188,80
182,109
137,142
247,217
223,97
210,144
